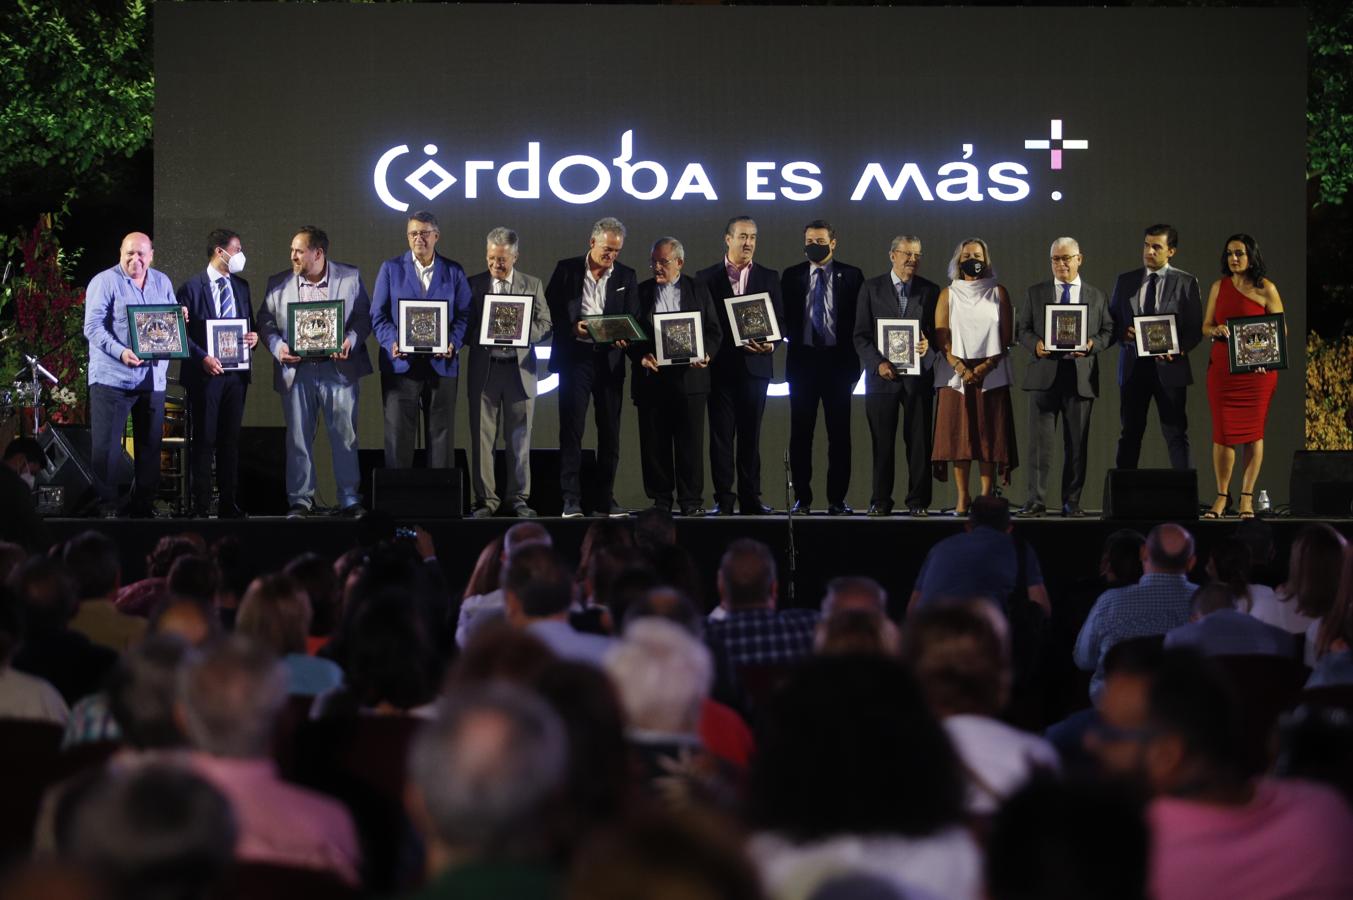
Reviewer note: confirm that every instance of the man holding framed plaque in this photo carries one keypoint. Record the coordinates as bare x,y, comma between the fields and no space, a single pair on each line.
739,376
311,384
589,371
501,374
671,398
221,332
1061,382
900,295
121,382
417,376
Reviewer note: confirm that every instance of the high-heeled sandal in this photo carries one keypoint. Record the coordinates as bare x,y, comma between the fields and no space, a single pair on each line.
1247,513
1214,514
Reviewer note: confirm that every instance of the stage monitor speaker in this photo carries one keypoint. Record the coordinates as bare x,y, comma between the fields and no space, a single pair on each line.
547,497
417,494
261,483
1154,494
70,468
1322,484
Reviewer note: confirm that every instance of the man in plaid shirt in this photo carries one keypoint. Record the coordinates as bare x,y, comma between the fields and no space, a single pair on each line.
1160,601
753,632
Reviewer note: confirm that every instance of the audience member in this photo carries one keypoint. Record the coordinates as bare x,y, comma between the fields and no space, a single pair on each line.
11,557
485,778
1257,535
538,594
51,650
654,527
22,696
390,664
855,619
982,561
94,562
141,598
1161,600
1217,628
499,652
601,533
19,520
1335,664
194,576
136,708
275,612
237,568
1229,563
315,574
1312,581
192,620
477,609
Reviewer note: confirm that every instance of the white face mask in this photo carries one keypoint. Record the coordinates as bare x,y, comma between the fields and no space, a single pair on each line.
235,265
29,479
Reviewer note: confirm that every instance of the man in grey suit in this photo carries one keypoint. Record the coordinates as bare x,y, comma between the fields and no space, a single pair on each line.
502,380
898,294
1061,383
314,384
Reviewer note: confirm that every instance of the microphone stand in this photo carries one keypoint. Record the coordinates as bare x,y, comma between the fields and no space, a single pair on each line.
789,528
39,372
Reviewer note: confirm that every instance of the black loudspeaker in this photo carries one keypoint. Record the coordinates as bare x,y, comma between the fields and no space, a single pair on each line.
69,468
1322,483
1155,494
417,494
262,479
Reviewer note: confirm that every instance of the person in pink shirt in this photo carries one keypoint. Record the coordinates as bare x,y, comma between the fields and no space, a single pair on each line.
1216,831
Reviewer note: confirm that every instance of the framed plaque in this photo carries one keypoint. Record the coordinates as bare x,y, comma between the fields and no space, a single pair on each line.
423,325
506,321
896,339
1257,342
678,338
225,341
315,329
609,329
1064,327
1156,335
157,330
752,318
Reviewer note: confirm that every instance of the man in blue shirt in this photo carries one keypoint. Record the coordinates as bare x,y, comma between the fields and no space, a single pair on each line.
120,382
1217,628
980,562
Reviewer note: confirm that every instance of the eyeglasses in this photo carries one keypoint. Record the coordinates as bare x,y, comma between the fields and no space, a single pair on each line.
1235,254
906,254
425,233
664,263
1065,259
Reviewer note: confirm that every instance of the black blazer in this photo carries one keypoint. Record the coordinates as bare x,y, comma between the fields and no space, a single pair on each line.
564,294
878,300
1029,322
731,361
1179,295
692,380
195,294
846,283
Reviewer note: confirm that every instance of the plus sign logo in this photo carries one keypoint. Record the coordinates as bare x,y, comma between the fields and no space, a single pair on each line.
1055,144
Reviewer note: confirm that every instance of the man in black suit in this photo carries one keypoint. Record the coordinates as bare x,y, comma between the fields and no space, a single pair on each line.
1061,383
899,294
593,284
216,394
1156,289
739,376
822,366
671,399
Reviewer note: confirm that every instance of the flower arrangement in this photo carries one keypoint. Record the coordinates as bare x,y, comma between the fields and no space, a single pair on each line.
1329,393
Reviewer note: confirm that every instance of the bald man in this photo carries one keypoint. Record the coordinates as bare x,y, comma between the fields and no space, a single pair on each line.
120,382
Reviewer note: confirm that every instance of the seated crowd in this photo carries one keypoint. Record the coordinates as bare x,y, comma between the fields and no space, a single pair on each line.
362,726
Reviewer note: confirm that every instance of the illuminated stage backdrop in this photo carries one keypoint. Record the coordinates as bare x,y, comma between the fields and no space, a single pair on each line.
1016,125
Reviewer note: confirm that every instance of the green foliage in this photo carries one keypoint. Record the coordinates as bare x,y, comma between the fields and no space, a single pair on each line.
1329,100
1329,393
80,91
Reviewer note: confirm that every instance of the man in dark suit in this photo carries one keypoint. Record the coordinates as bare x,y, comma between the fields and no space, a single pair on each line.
1156,289
593,284
899,294
739,376
502,380
1058,383
822,365
215,394
425,383
671,399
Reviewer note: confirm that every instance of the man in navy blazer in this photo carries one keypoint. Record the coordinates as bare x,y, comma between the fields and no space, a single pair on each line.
822,366
413,383
739,376
593,284
215,394
900,293
1058,383
671,399
1156,289
312,385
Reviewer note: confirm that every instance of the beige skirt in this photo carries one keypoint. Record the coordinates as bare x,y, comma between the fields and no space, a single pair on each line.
975,425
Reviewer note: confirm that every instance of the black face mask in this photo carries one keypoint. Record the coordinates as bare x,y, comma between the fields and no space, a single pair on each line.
973,268
817,252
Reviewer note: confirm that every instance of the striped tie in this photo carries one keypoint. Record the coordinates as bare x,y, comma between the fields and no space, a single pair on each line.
227,298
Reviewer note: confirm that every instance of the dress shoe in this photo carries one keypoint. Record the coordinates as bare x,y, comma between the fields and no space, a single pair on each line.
801,508
1032,510
481,511
617,511
879,510
693,511
1073,511
840,509
522,511
722,509
757,508
298,511
352,511
917,512
572,510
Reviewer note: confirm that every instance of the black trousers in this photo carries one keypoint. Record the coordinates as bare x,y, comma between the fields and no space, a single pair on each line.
108,411
589,378
403,397
1045,407
916,404
737,402
671,441
1171,405
820,381
217,409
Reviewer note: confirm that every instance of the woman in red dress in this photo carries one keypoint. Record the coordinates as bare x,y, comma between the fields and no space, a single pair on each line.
1239,402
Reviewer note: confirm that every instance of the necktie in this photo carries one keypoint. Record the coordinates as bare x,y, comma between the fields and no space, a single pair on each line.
1149,301
1066,293
499,287
819,313
227,298
901,298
